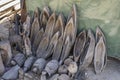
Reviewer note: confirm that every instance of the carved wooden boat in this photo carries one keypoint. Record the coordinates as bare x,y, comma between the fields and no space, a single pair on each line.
50,25
70,31
58,50
44,16
79,45
66,50
35,25
26,26
99,56
27,44
41,50
52,45
73,14
38,39
59,26
100,34
69,38
89,50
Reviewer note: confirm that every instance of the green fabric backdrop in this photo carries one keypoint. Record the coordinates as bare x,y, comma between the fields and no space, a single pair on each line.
91,13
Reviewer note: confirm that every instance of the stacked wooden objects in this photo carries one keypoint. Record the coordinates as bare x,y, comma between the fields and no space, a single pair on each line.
45,47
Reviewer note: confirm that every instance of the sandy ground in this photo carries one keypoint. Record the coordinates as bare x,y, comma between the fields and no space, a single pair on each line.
111,72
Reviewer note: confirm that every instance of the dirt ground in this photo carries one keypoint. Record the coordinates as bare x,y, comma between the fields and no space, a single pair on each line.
111,72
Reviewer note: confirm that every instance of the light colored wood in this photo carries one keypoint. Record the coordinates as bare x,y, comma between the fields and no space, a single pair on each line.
9,5
4,2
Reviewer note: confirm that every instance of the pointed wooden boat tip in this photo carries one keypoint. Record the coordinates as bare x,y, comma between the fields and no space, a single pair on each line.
61,19
89,30
90,33
100,33
37,12
61,16
101,40
74,6
41,30
73,13
57,34
99,30
82,33
53,16
46,10
70,21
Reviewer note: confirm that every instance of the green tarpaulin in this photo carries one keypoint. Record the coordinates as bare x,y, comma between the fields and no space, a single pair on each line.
91,13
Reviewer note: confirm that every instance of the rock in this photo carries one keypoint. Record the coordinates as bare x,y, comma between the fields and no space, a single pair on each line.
11,74
51,67
54,77
19,59
39,65
64,77
68,61
21,74
28,63
72,68
31,76
62,69
43,76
